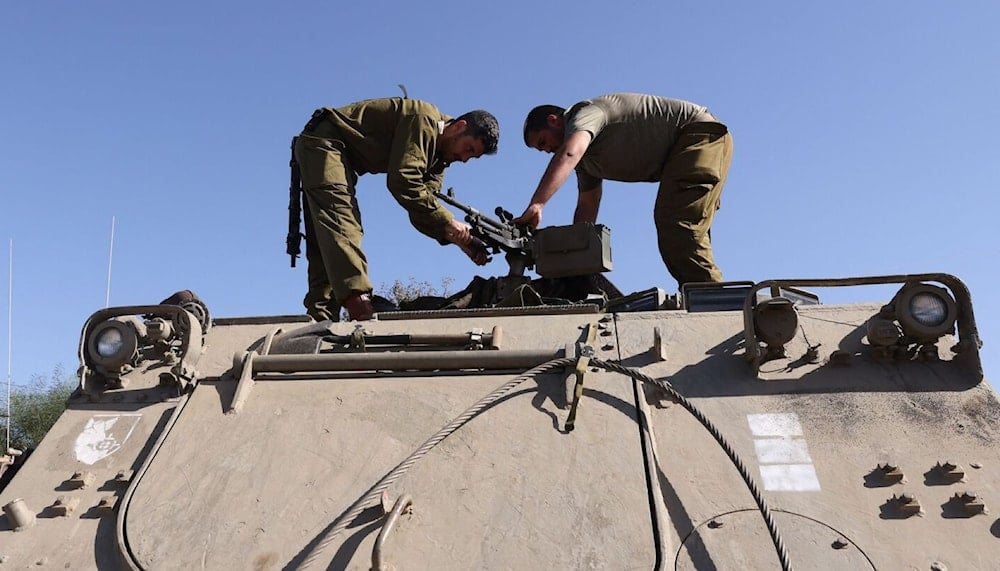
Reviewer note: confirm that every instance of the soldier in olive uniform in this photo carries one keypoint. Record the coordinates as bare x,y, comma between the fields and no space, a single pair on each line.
631,137
409,140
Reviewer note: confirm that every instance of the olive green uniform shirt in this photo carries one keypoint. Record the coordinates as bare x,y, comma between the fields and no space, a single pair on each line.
398,137
631,135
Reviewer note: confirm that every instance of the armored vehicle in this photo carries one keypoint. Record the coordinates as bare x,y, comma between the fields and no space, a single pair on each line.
742,425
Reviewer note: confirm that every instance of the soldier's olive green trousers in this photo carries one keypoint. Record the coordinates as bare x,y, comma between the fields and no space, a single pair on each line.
337,265
689,194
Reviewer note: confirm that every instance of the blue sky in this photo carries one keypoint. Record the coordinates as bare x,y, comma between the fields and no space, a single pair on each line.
864,140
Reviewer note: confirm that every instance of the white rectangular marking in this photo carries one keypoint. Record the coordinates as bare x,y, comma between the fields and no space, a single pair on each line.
790,478
775,424
782,451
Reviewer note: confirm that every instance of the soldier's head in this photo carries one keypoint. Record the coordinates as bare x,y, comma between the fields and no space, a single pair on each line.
472,135
545,127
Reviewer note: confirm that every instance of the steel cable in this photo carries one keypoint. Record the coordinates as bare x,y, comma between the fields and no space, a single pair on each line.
772,529
375,491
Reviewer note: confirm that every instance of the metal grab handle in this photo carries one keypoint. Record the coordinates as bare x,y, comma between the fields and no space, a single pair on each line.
402,503
250,363
419,360
489,340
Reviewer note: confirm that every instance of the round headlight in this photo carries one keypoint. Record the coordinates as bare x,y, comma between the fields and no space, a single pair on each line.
928,309
925,312
112,344
109,343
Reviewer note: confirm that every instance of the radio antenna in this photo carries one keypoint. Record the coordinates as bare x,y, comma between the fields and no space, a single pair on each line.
10,329
111,252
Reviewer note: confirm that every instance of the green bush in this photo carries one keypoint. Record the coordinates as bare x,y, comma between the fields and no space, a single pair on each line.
411,289
35,407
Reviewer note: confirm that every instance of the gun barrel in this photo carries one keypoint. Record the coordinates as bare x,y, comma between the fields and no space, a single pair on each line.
471,212
494,233
455,203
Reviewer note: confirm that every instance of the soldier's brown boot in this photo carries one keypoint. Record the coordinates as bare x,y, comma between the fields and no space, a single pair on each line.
359,306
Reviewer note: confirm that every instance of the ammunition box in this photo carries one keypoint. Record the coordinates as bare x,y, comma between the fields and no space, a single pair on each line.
574,250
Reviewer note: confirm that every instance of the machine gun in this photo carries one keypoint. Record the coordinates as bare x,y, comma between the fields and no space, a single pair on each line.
516,242
554,252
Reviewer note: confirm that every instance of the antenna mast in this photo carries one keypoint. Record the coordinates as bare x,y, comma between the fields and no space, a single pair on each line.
111,252
10,328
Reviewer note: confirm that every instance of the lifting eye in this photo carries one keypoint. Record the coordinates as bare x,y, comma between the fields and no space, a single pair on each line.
925,312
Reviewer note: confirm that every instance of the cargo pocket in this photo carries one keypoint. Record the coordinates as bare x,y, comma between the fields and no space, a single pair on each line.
698,158
322,163
696,167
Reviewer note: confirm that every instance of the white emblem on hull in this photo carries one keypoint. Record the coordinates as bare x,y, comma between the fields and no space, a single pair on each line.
104,435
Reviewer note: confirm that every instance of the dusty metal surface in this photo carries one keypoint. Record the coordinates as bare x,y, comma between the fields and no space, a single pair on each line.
341,435
417,442
76,477
814,437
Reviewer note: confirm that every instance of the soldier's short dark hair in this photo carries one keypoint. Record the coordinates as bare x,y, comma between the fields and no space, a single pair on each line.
483,126
537,119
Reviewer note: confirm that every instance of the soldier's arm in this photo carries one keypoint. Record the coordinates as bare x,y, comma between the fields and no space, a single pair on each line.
563,162
409,177
588,203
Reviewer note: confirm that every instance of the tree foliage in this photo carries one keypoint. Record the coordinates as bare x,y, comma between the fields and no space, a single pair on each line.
413,288
35,407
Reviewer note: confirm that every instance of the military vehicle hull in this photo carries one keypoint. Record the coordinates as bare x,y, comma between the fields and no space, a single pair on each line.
556,437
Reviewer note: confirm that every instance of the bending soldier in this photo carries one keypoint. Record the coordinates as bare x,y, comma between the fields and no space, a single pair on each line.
409,140
631,137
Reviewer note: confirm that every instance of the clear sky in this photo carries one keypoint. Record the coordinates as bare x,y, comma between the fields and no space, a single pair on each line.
864,134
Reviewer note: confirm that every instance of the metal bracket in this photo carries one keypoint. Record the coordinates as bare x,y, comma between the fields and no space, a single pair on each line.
186,326
476,339
358,339
658,351
586,351
969,341
245,384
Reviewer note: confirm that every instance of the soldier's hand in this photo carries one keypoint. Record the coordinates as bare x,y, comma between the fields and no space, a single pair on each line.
476,251
457,232
531,217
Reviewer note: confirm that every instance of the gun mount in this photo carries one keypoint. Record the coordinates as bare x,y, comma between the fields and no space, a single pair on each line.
554,252
498,235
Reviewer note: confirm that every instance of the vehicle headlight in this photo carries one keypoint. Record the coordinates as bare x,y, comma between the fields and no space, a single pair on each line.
925,312
112,344
928,309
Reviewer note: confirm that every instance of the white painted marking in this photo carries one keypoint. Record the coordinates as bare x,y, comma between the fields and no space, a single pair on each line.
104,435
782,451
774,424
790,478
785,464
